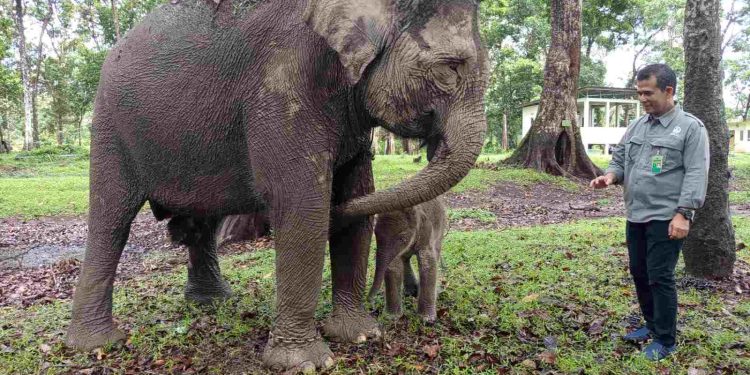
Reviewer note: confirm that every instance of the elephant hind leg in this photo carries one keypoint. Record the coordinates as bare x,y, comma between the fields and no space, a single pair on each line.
113,206
205,284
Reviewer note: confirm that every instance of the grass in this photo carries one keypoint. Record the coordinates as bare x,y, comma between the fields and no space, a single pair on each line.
55,185
392,169
505,294
483,216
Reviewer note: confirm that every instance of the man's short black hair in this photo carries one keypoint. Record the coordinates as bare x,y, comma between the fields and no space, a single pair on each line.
664,76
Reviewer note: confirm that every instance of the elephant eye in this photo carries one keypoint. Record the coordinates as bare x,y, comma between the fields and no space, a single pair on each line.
454,65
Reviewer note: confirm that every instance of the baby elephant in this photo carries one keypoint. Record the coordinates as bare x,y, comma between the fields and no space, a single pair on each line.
400,235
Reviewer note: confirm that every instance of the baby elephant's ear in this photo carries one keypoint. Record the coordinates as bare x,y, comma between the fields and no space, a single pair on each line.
353,28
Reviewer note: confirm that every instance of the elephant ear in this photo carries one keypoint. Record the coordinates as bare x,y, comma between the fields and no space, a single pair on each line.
355,29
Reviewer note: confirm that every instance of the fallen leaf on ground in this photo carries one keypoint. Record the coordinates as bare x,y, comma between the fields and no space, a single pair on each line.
530,298
596,327
431,350
548,357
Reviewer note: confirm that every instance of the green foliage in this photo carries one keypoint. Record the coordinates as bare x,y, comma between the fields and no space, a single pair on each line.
515,80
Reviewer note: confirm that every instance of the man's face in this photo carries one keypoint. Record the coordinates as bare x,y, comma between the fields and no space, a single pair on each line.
654,100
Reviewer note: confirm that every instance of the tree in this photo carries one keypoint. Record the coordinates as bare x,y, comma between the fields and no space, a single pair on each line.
604,24
514,80
648,20
11,90
28,140
45,15
709,250
553,144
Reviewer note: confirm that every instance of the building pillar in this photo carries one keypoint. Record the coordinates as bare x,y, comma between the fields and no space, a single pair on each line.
606,114
586,113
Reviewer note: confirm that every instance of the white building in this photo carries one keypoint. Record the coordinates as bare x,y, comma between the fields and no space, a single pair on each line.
739,136
603,114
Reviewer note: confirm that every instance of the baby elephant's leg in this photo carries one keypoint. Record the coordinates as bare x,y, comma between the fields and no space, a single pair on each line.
428,278
393,276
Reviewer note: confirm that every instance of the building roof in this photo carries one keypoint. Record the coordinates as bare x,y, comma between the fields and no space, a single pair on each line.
598,92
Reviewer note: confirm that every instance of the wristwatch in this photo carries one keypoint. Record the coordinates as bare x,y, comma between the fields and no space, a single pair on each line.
688,213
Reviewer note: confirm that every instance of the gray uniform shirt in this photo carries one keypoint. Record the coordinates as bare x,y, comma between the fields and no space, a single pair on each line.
653,192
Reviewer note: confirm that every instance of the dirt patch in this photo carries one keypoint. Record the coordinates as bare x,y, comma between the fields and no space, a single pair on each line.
40,259
515,205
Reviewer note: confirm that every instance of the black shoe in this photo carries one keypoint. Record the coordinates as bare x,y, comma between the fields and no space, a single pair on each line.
639,335
656,351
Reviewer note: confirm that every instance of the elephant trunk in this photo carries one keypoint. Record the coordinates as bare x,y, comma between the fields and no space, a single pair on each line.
461,132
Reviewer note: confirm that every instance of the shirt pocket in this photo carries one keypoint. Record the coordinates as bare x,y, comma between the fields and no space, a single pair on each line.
671,150
632,149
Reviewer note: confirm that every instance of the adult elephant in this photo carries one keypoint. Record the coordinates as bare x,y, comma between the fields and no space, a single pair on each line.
206,110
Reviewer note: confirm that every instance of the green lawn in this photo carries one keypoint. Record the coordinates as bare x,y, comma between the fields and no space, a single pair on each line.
54,185
505,293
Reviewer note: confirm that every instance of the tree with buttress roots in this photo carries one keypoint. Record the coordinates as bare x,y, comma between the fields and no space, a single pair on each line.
553,145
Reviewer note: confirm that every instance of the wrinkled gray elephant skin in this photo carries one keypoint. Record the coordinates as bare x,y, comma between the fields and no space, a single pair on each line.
206,110
400,235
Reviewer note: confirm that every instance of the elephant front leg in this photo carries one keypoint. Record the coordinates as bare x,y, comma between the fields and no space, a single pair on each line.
300,253
91,324
349,248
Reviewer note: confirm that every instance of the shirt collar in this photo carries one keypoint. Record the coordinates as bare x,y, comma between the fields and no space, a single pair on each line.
666,118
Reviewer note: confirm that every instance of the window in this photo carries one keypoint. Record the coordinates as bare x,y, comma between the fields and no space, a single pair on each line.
742,133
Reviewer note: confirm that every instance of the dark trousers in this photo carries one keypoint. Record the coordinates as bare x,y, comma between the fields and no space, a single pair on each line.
653,257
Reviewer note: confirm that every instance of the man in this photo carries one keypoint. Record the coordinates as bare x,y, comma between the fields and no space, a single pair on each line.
662,161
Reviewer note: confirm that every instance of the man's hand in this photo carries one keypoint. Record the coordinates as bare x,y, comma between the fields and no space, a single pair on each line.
603,181
678,227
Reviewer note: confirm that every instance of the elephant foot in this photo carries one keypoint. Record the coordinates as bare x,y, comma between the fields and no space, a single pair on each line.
304,355
351,327
80,338
205,293
428,318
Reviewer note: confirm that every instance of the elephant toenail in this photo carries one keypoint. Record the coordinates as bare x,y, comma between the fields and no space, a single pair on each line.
307,368
328,363
360,339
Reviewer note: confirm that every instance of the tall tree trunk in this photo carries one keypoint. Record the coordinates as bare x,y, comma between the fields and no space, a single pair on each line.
553,145
236,228
406,146
505,131
115,20
709,250
60,137
390,144
747,108
28,130
37,73
80,129
3,144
